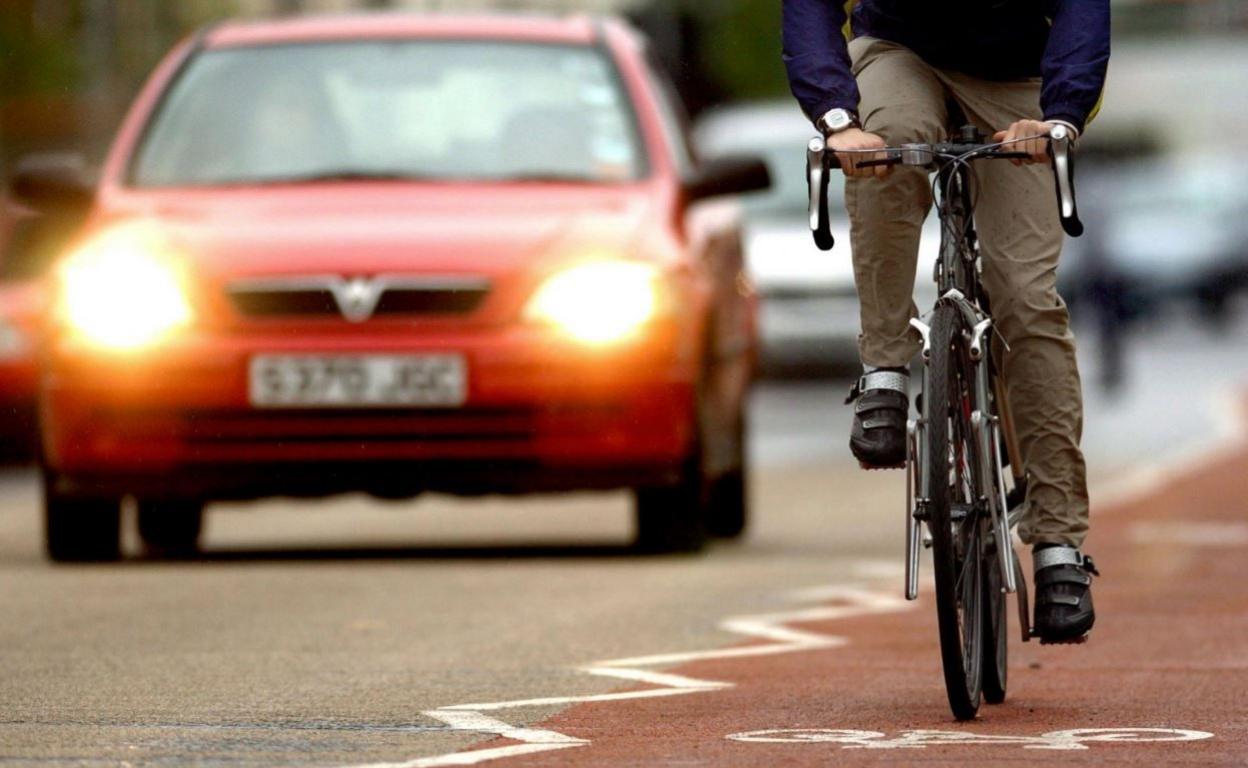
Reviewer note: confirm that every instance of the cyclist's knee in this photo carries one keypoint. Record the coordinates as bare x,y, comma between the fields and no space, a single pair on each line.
899,126
1028,307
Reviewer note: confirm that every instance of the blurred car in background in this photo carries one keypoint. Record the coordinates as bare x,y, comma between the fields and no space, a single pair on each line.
398,254
1170,233
808,314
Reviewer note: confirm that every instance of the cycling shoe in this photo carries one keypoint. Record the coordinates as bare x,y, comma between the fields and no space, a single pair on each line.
1063,578
881,406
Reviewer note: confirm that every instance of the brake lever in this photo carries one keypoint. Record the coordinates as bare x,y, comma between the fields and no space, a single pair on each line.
817,178
1062,153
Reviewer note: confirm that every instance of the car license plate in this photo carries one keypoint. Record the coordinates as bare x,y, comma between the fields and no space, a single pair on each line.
358,381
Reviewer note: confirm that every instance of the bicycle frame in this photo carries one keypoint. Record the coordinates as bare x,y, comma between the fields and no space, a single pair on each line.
959,492
957,279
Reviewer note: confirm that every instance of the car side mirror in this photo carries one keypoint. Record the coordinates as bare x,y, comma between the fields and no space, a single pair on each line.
53,183
729,175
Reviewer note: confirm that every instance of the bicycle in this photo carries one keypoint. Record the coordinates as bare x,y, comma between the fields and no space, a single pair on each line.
964,438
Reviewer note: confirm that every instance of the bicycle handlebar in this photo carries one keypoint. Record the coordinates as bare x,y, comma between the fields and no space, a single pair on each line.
820,161
1062,153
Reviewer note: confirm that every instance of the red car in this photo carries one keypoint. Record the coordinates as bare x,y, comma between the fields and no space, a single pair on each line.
21,307
396,254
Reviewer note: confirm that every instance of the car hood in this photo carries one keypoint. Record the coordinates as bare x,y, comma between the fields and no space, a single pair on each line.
371,229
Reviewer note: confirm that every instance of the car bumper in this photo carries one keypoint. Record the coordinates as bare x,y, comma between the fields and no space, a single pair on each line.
19,383
540,414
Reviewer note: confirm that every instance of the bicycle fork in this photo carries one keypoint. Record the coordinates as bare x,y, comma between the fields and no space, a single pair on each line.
917,480
987,432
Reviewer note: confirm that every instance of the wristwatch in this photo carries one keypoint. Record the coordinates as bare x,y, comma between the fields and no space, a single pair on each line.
837,120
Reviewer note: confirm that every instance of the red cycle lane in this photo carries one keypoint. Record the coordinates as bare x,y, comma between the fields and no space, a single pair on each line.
1167,660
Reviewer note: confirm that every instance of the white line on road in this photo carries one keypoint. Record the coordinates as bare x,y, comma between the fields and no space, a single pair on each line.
845,602
1072,740
848,602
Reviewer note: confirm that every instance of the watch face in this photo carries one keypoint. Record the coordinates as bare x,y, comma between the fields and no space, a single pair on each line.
837,120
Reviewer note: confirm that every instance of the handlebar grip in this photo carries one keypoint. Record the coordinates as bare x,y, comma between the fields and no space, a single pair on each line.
817,178
1062,152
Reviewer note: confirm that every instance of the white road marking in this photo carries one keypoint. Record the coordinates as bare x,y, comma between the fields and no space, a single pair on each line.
849,601
1075,739
852,601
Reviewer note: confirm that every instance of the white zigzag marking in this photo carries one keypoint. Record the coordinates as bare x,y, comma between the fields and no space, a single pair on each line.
851,601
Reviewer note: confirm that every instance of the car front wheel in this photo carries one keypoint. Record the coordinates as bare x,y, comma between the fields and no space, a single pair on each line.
170,528
728,512
80,529
673,518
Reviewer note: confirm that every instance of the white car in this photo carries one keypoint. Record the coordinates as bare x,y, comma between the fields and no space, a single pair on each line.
809,309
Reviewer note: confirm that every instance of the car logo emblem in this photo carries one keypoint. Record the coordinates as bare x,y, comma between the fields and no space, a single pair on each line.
357,298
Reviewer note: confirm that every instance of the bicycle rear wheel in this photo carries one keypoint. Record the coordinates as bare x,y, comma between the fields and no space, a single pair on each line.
953,516
996,628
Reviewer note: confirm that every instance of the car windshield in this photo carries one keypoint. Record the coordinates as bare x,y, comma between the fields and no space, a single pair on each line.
435,110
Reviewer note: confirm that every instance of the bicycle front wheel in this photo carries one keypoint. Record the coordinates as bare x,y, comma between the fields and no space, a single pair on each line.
953,517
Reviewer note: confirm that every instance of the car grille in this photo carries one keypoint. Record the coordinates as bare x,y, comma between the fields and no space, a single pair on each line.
357,300
370,428
225,427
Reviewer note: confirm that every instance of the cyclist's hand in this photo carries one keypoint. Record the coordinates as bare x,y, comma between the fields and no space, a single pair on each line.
856,138
1034,140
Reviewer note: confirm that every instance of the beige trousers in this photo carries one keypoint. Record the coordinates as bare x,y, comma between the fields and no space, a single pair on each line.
906,100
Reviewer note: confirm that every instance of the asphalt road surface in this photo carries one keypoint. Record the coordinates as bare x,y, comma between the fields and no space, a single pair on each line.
352,632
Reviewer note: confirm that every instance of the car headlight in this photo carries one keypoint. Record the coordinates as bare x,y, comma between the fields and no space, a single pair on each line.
123,290
598,302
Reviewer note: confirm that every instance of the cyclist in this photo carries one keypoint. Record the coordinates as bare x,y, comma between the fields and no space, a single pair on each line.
909,70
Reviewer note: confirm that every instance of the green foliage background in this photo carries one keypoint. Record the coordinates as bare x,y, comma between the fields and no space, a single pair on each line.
69,67
741,47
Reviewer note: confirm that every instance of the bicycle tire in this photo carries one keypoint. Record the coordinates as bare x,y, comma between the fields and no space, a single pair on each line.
996,632
956,554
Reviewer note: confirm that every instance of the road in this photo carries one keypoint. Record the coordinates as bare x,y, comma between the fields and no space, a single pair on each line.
354,632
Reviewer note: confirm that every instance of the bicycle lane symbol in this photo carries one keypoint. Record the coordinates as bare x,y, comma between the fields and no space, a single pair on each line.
1076,739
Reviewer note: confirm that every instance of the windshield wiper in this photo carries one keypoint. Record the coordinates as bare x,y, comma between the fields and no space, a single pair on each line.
344,175
549,178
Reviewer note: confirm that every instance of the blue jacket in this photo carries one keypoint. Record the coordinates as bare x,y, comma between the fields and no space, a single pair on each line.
1065,42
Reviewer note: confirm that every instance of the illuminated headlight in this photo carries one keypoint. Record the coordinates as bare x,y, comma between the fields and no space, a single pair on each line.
598,302
123,290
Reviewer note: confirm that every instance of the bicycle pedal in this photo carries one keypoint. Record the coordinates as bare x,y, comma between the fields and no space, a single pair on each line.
879,467
1073,641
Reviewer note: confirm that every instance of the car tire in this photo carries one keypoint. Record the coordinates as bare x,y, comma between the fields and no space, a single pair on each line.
729,507
673,518
170,528
80,529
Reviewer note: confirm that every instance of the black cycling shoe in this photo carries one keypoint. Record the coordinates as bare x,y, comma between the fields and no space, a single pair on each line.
1064,612
881,407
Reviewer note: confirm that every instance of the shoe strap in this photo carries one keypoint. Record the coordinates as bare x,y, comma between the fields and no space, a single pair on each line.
890,381
894,380
1063,574
1051,556
877,399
